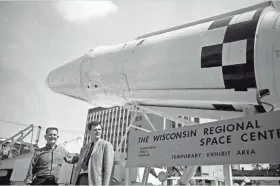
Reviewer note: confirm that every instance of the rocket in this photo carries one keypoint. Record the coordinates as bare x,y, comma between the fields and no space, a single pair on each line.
219,63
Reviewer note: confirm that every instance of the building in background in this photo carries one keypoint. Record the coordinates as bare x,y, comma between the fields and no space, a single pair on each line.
114,122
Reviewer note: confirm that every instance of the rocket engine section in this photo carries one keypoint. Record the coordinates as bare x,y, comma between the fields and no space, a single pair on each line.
220,64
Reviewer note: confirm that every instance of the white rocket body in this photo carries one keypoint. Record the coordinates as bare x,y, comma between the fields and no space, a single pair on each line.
219,64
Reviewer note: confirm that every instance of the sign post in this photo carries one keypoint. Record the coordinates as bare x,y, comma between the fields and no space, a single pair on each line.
228,175
228,168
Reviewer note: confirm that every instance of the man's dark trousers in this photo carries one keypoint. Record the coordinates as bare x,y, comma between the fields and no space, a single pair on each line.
44,180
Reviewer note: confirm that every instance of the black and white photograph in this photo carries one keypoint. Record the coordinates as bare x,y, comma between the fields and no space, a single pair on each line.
140,92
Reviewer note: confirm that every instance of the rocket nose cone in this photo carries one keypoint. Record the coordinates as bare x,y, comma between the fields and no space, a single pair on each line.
66,80
47,81
50,80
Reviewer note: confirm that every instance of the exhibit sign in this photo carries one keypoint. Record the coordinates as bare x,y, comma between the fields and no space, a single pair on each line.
245,140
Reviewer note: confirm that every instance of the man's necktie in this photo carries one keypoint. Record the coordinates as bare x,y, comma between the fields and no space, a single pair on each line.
86,160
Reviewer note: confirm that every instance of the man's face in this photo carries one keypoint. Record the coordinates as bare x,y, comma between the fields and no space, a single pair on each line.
96,132
51,137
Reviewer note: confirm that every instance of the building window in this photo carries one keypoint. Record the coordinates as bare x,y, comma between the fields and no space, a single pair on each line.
173,125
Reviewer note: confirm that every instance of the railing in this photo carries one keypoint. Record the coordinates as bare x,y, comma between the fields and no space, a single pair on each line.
257,173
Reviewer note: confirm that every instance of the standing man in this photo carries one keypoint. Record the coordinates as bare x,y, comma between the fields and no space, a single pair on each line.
96,162
47,161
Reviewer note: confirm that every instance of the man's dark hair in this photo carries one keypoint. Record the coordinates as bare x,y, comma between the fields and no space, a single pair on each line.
51,128
93,124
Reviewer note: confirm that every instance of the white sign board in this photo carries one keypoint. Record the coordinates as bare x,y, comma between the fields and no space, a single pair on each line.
252,139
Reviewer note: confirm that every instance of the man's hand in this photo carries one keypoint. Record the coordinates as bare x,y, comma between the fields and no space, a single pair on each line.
71,158
66,160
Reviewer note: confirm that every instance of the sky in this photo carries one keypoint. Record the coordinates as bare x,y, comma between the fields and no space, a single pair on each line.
39,36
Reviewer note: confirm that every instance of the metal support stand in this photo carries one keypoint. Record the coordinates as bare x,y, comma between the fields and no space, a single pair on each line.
216,182
127,176
188,174
191,170
146,175
228,175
